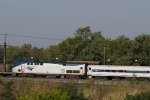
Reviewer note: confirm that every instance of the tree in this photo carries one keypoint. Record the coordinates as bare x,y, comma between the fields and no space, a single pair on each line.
91,46
37,54
142,49
52,53
19,54
85,33
120,51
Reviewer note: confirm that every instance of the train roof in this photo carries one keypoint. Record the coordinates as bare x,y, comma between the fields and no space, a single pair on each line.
119,66
86,62
60,63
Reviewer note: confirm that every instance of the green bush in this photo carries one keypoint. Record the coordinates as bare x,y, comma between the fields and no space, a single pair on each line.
140,96
53,95
66,91
7,91
73,91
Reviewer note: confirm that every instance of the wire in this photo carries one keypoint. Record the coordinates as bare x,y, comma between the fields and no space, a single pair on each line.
30,36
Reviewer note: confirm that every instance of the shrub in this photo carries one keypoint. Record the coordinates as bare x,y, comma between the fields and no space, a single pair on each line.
140,96
73,91
53,95
7,91
68,91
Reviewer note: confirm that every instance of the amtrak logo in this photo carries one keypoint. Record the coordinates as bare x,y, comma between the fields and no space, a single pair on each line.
62,70
29,68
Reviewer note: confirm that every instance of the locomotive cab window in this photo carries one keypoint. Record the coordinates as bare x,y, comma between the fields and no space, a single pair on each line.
36,63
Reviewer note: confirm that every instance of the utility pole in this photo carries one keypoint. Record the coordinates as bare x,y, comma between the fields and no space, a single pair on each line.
104,56
5,53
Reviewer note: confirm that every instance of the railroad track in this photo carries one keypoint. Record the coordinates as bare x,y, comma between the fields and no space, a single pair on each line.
54,80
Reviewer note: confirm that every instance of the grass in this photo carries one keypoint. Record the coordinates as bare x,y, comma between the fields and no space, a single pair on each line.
88,91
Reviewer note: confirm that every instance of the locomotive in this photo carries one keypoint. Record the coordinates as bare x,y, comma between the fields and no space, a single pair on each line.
67,70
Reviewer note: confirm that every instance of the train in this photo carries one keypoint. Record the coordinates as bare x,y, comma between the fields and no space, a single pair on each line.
83,71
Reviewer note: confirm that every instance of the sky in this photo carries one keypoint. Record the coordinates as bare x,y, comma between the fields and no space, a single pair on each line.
59,19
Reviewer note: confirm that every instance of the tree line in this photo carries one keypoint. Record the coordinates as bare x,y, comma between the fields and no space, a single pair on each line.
86,45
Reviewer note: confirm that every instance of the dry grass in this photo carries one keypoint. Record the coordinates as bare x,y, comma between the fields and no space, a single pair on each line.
90,90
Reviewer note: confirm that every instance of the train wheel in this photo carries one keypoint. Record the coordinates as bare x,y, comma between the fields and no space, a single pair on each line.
58,76
17,75
89,77
109,78
63,76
